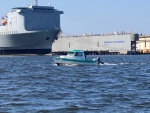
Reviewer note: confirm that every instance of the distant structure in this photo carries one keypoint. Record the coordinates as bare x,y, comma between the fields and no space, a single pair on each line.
122,43
143,44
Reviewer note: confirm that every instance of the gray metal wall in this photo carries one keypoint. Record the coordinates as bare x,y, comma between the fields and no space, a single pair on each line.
116,43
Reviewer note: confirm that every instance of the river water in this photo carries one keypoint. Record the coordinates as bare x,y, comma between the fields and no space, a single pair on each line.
34,84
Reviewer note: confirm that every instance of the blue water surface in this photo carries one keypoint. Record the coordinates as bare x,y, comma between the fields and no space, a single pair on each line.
34,84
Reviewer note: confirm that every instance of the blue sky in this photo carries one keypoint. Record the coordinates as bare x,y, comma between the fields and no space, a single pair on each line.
96,16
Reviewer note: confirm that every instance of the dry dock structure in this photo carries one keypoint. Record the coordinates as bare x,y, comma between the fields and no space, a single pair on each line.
98,44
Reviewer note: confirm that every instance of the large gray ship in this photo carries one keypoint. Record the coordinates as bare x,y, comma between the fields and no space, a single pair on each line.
29,30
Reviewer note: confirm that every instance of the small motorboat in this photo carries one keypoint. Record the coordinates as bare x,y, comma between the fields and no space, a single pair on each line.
76,57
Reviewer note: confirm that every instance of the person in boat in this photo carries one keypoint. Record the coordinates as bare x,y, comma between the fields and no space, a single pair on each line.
85,56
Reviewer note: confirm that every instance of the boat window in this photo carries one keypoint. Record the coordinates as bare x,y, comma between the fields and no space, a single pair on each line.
70,53
78,54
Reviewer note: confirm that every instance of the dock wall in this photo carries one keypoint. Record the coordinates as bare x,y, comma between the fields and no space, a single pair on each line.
111,43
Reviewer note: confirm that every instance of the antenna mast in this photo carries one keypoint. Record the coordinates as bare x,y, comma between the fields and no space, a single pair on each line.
35,3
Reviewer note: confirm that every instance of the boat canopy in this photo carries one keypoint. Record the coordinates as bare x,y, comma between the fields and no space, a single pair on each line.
76,51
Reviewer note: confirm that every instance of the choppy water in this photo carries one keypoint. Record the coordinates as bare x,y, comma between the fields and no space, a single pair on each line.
34,84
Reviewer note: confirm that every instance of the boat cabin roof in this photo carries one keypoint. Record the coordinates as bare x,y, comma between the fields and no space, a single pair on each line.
76,51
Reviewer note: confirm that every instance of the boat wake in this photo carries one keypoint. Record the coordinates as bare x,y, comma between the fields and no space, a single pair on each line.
105,64
109,64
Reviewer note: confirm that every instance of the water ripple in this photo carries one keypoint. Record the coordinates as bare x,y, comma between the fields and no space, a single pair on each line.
35,84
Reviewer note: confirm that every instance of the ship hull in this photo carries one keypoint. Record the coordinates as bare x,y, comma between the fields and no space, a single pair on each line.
25,51
36,42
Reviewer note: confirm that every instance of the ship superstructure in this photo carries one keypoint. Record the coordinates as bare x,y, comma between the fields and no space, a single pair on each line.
29,30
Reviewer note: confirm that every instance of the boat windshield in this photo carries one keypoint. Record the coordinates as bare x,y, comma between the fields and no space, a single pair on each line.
71,54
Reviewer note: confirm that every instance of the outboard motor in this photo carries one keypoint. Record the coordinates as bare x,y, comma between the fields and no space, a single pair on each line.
99,61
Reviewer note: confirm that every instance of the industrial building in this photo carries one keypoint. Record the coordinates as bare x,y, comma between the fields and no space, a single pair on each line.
143,45
101,44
